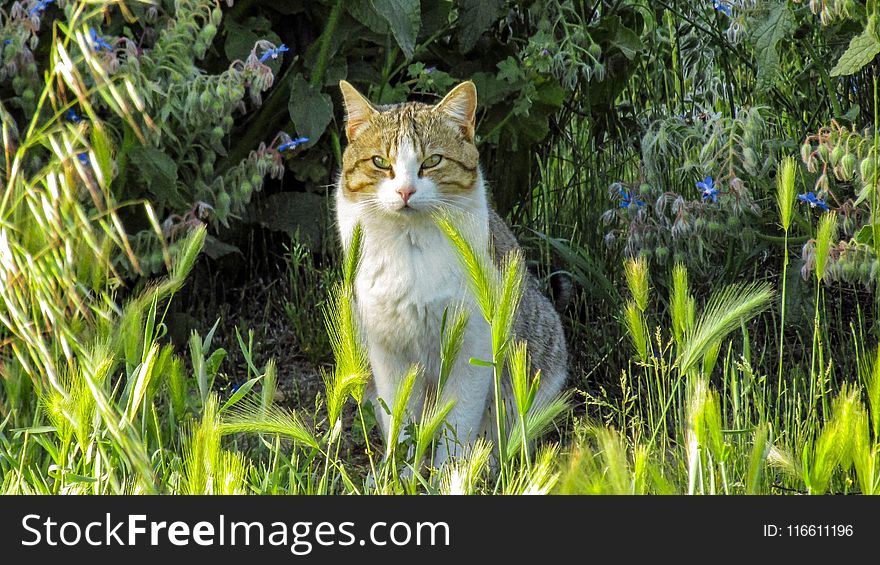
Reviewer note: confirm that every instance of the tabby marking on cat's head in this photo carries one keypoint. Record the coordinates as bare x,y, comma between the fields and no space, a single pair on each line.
410,158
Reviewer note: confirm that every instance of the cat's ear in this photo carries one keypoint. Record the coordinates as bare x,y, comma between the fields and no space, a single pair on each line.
358,110
460,107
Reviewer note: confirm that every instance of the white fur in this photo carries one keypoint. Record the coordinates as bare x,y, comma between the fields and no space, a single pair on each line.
409,274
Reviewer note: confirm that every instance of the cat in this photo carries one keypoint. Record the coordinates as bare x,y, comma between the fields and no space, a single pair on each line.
402,164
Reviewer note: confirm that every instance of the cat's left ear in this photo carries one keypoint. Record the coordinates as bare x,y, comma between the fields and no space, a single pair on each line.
460,106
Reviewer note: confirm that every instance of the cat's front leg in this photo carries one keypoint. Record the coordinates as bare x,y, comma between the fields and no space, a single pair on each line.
469,386
389,368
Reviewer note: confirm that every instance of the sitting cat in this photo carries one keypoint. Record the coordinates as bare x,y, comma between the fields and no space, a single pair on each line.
404,163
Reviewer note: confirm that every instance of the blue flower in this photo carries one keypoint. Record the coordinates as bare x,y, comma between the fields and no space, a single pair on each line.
40,7
430,70
83,158
99,42
293,143
235,388
72,116
814,201
628,199
722,7
708,190
545,52
7,41
273,53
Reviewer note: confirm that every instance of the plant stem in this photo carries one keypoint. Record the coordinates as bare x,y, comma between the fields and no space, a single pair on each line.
782,319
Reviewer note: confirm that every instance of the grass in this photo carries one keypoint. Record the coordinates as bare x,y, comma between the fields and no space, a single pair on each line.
692,373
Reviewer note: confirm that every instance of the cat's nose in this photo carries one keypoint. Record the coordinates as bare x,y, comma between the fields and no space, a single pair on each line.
405,193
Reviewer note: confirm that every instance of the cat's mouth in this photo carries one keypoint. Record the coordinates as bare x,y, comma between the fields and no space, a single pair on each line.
406,210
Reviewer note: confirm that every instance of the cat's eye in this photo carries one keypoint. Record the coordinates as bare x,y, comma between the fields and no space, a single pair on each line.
431,161
381,163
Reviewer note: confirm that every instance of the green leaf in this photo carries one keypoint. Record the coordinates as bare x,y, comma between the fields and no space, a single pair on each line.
300,214
405,19
475,17
364,12
310,109
103,153
17,432
214,248
861,51
212,365
865,235
158,171
480,362
769,30
241,37
239,394
627,41
491,89
510,70
74,478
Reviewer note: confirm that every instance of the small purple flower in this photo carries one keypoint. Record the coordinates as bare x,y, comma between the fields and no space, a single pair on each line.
273,53
722,7
293,144
235,387
98,41
40,7
83,158
430,70
628,199
708,190
7,41
72,116
814,201
545,52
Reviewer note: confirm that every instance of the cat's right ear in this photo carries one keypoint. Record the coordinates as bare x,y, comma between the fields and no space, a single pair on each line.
358,110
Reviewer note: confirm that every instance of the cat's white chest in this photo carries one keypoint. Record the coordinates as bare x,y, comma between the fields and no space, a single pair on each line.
403,285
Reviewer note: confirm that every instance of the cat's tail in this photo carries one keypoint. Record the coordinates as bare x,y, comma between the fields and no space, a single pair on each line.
561,290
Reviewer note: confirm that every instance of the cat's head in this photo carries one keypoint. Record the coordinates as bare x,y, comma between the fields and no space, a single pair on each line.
410,159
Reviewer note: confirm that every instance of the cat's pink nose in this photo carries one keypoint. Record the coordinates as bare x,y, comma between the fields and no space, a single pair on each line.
405,193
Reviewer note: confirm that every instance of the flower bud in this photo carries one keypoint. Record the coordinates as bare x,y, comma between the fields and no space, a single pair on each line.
836,155
866,169
208,32
224,201
750,160
806,150
824,152
848,166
